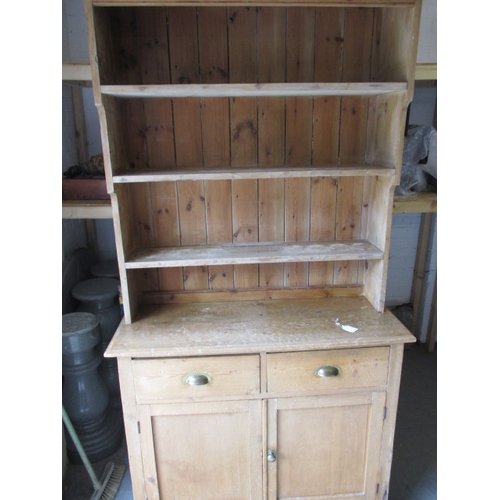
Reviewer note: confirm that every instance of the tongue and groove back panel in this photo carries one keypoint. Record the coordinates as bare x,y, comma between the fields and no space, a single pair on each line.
230,45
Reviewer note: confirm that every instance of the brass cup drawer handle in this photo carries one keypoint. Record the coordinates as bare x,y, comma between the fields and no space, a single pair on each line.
197,378
327,371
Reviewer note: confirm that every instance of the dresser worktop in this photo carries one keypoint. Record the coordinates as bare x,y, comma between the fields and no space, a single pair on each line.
255,326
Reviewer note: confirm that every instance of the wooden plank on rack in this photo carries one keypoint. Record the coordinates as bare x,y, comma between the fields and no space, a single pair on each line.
88,209
76,72
420,203
426,71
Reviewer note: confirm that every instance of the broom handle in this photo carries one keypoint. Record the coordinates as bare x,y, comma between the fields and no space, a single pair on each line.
81,451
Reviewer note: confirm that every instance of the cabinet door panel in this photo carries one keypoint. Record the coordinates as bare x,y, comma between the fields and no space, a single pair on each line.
209,451
326,447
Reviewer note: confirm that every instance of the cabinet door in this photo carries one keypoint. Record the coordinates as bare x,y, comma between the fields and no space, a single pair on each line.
325,446
202,451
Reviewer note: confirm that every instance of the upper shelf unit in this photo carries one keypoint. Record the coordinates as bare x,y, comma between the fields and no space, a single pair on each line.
251,146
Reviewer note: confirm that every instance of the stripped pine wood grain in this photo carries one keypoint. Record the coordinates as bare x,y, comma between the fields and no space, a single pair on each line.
117,62
165,210
242,40
271,325
320,292
134,144
395,45
219,225
271,126
183,39
155,69
192,208
142,227
330,3
271,226
292,89
300,60
115,160
138,216
353,133
131,293
357,45
193,230
154,66
326,122
220,254
271,45
152,45
386,138
323,209
245,227
213,59
268,172
212,44
185,69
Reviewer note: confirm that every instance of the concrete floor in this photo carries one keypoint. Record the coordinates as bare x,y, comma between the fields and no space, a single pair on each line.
414,467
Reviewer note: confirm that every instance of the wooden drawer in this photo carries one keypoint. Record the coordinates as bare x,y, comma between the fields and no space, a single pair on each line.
326,370
169,378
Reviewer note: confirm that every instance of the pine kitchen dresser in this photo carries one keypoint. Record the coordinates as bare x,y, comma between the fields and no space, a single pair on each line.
251,151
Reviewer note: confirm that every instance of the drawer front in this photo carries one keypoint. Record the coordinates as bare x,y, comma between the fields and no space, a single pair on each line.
170,378
326,370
